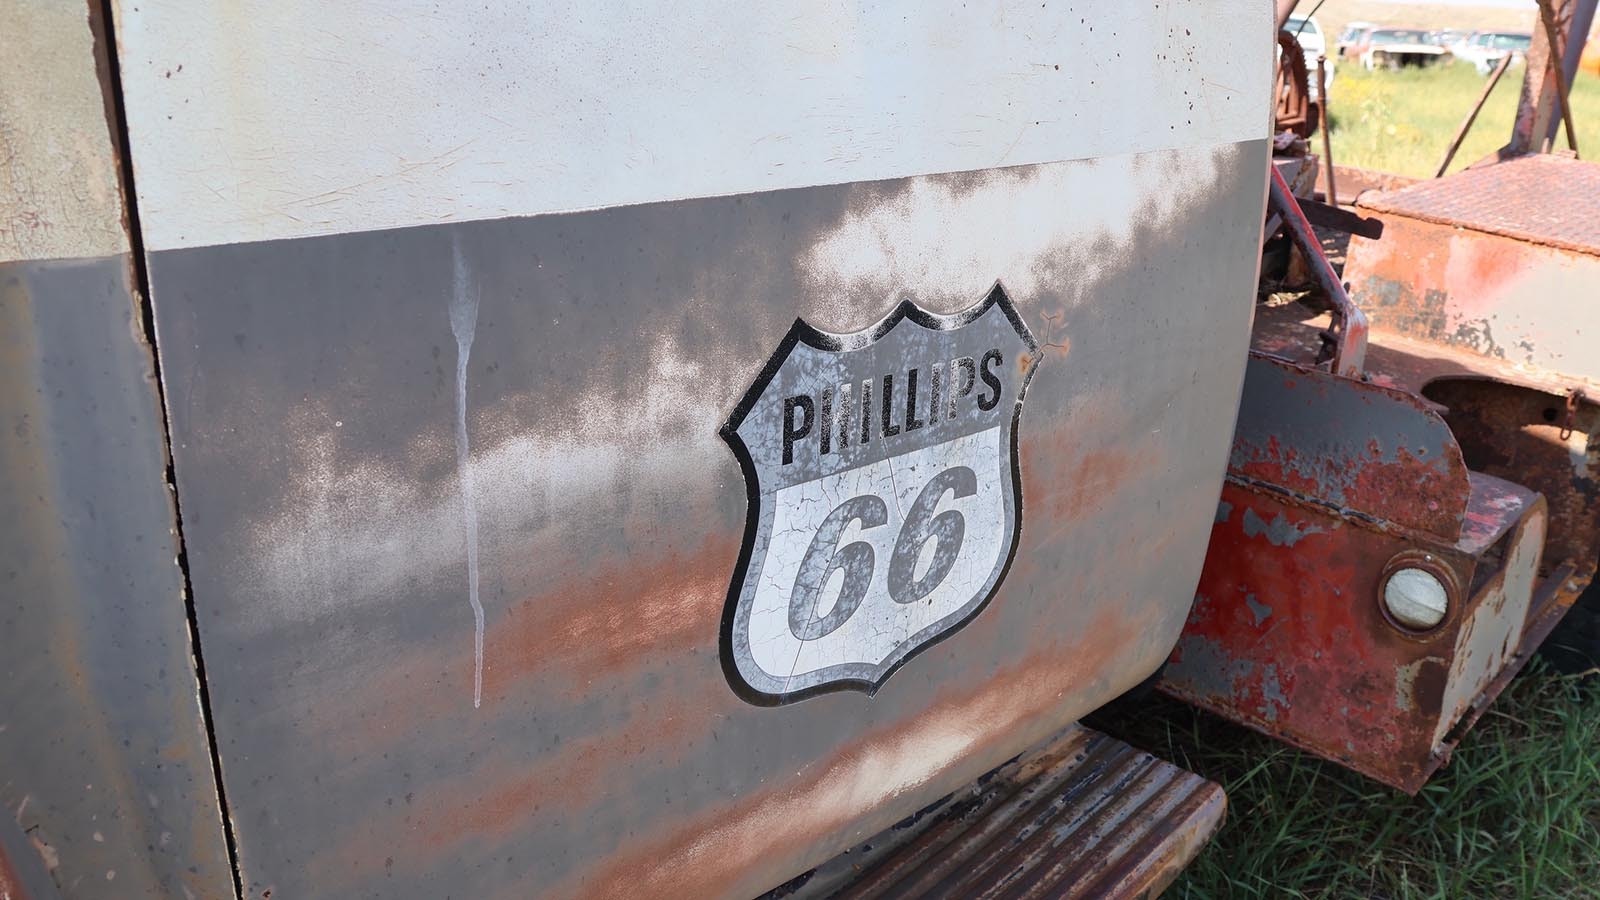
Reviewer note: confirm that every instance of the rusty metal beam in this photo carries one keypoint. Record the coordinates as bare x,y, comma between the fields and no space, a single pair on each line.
1327,133
1350,326
1552,33
1472,115
1285,8
1540,105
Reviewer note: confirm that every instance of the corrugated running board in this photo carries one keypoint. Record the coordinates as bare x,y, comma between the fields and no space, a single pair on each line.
1083,815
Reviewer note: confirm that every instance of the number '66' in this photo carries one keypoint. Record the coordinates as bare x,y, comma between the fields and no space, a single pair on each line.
857,558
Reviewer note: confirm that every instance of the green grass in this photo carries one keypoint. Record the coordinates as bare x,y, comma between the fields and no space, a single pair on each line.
1401,121
1515,814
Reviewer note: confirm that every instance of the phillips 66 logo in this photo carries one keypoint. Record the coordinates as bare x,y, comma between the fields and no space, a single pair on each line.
881,468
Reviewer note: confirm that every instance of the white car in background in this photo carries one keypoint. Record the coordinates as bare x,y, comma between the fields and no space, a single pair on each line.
1314,42
1485,49
1396,48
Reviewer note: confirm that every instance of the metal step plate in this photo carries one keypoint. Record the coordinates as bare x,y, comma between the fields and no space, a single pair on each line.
1083,815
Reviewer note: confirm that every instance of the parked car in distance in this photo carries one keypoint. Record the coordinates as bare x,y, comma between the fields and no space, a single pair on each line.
1314,42
1485,49
1350,37
1394,48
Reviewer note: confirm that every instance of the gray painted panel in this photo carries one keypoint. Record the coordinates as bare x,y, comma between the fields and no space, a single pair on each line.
105,759
314,393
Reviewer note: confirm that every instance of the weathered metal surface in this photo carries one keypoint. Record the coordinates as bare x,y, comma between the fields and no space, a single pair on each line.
1481,297
1083,816
1525,435
1551,201
1288,636
23,875
1490,273
1335,483
104,760
58,184
462,618
103,755
609,749
241,131
1377,452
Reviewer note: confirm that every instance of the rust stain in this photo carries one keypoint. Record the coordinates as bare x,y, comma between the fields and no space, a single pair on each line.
569,781
1068,480
725,851
613,619
601,621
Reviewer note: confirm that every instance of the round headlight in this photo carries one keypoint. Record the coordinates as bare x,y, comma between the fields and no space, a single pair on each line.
1416,598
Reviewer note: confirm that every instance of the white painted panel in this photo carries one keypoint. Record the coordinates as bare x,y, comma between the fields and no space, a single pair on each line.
58,173
258,120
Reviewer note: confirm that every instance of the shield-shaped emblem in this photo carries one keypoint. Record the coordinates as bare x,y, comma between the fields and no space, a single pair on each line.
884,495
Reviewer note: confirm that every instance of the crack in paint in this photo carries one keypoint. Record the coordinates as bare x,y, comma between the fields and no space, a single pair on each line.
464,325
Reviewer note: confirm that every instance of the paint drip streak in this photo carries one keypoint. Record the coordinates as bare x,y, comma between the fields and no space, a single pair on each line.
464,325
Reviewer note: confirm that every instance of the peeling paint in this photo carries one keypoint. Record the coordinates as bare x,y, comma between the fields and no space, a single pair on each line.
1280,532
1260,611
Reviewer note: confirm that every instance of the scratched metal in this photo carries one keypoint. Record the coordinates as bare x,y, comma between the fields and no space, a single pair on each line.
1083,816
314,389
103,756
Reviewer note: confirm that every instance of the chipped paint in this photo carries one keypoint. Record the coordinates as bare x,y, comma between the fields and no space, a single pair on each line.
1280,532
1405,683
1257,609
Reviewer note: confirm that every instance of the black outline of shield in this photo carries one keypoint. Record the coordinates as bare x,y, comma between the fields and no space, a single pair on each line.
802,332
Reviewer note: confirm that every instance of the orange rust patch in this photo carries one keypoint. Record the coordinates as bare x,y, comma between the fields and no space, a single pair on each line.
1066,481
613,620
760,838
592,625
658,733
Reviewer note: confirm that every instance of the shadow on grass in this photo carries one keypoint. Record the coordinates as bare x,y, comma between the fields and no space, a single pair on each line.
1515,814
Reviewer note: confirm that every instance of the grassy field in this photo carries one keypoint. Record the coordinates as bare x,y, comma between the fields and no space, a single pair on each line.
1402,121
1516,813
